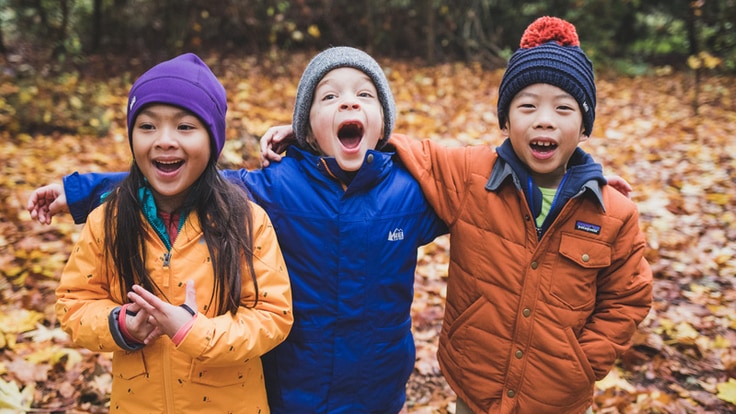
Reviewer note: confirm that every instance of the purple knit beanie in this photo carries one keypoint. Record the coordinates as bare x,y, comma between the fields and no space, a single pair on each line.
549,52
187,82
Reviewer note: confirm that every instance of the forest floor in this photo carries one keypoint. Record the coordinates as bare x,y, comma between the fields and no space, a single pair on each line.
681,165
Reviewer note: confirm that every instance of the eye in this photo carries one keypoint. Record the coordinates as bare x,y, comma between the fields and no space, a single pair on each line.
365,95
146,126
186,127
329,96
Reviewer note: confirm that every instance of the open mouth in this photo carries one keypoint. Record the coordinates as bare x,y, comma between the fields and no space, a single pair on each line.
168,166
543,146
350,134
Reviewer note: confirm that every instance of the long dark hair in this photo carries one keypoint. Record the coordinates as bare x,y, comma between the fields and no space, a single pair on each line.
226,221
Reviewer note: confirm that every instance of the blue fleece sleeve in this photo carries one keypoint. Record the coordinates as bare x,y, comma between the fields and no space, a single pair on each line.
84,192
238,177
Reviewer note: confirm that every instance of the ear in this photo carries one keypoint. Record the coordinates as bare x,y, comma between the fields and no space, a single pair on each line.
505,129
583,137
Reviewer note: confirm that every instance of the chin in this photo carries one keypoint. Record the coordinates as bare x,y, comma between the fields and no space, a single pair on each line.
352,165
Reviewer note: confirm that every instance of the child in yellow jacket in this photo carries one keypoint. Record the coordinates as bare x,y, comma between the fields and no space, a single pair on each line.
177,273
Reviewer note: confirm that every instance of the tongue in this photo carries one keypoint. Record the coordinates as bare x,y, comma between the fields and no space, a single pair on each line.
543,149
350,142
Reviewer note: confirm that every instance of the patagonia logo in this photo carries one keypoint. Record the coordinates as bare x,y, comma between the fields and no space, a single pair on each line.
587,227
396,235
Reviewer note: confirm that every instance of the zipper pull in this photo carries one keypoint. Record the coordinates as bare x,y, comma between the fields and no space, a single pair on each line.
167,259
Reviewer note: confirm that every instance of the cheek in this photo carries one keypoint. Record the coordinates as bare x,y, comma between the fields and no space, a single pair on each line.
137,148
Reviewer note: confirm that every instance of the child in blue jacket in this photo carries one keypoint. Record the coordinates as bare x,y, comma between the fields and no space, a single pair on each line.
349,219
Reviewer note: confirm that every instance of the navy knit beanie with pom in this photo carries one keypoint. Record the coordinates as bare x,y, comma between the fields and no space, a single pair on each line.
333,58
550,53
186,82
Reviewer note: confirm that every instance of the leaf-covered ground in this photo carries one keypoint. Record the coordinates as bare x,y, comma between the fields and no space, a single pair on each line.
681,166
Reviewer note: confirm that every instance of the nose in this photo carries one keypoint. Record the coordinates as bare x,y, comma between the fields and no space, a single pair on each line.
544,118
166,138
349,104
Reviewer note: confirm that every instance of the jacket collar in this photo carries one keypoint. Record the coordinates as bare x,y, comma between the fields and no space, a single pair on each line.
376,165
584,174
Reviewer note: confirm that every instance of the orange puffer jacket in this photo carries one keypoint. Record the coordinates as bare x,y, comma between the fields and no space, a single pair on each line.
530,324
217,366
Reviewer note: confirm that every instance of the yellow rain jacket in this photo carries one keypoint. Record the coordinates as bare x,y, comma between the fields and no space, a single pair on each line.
217,366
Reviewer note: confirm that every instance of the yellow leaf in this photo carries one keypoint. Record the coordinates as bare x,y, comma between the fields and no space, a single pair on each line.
54,354
18,320
12,399
43,334
75,102
694,62
615,381
313,31
727,391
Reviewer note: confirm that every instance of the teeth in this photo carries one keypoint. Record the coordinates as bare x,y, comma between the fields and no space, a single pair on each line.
542,144
168,162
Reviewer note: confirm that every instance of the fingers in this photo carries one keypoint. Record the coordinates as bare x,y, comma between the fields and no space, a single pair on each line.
166,317
268,156
153,335
620,185
274,142
191,300
46,201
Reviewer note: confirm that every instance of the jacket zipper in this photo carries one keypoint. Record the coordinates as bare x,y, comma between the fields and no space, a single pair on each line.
167,259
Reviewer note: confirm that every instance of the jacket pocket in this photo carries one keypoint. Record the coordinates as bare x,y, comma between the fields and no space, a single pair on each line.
581,357
128,365
573,281
220,376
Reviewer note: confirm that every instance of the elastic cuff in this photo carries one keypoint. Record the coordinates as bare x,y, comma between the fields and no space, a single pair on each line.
183,331
117,335
123,328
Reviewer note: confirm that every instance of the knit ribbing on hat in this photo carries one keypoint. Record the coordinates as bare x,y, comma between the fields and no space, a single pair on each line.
333,58
550,53
186,82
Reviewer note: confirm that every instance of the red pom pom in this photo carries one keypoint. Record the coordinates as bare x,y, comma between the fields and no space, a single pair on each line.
547,28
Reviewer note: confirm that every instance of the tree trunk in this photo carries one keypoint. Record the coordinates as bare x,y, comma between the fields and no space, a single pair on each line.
431,30
96,25
692,35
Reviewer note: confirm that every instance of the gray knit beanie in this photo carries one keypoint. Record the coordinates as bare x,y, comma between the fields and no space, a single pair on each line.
333,58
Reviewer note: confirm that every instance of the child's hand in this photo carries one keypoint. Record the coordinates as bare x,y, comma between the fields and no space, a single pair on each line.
274,142
47,201
138,325
167,317
619,184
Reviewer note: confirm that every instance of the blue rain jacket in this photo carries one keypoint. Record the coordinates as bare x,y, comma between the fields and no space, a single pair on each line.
351,254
